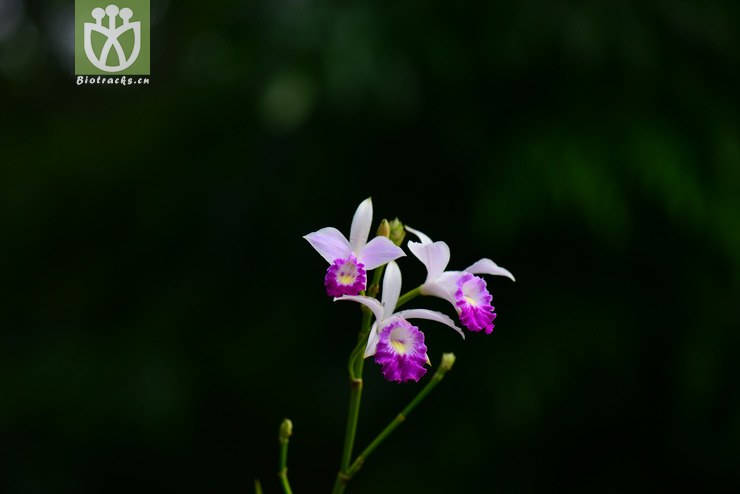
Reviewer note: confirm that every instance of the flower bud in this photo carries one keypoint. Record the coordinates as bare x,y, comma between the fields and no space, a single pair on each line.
286,430
384,230
397,232
448,359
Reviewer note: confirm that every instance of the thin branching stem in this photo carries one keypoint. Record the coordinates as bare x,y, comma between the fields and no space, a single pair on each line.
446,365
286,430
411,294
355,366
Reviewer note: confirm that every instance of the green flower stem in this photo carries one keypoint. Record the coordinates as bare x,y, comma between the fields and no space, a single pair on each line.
353,415
411,294
286,430
355,367
356,358
357,352
257,487
447,360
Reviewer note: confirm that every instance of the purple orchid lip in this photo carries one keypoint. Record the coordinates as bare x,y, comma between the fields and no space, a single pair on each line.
474,303
401,352
345,277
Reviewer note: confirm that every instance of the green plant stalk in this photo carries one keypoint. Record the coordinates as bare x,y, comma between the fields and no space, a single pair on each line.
286,429
445,366
353,412
355,367
411,294
283,472
357,352
355,394
257,487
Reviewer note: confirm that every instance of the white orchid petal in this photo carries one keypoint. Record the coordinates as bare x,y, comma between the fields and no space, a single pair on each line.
391,288
361,223
372,341
330,243
431,315
379,251
448,280
423,238
443,287
487,266
435,256
368,302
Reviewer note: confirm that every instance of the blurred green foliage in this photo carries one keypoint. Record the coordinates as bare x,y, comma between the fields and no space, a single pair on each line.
161,314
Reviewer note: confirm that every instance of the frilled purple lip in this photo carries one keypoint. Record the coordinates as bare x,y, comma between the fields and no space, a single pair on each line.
474,303
345,277
401,352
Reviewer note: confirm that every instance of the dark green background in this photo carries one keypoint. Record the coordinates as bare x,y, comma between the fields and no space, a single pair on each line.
160,312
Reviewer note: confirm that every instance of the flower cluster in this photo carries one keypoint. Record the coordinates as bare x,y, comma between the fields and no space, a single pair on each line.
397,345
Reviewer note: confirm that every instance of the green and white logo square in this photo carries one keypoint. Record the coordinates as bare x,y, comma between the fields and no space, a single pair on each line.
112,39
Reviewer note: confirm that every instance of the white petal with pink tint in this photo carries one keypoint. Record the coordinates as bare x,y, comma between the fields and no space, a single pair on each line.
372,341
422,238
391,289
361,223
487,266
431,315
435,256
379,251
330,243
368,302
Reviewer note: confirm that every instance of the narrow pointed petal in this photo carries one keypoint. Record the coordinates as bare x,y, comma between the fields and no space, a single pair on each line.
435,256
431,315
391,289
487,266
372,341
329,243
361,223
422,238
368,302
379,251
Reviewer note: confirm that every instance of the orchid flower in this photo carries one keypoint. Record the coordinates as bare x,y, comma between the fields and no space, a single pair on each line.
397,345
465,291
350,260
